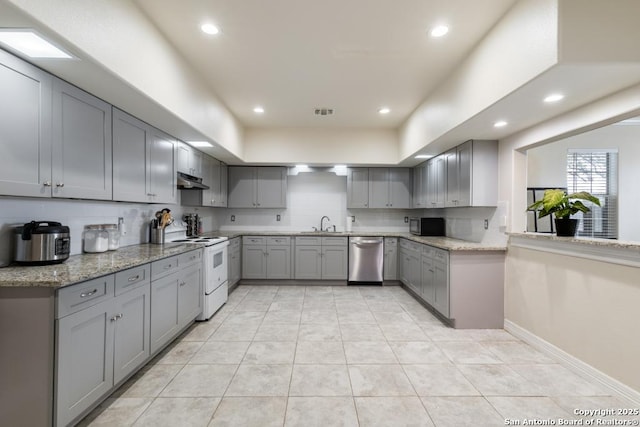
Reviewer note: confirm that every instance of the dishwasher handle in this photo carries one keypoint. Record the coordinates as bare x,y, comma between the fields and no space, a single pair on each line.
366,242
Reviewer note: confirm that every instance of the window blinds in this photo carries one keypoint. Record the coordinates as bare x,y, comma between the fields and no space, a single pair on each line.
595,171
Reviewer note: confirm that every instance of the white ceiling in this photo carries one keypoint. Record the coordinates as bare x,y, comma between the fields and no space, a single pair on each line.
355,56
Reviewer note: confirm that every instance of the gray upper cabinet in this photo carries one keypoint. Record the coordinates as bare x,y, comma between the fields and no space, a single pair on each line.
143,162
162,172
257,187
214,176
436,182
189,160
82,149
420,186
453,183
358,188
222,198
25,128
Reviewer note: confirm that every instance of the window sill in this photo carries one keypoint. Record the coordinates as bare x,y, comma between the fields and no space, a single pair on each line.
604,250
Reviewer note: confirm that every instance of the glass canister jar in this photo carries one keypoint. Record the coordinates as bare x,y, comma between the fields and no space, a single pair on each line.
95,239
114,235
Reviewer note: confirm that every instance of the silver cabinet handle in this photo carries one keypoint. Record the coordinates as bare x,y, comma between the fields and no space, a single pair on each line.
120,316
183,283
192,258
47,183
60,184
88,294
134,278
114,318
168,266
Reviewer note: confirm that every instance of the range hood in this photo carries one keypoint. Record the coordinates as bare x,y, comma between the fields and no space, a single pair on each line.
188,182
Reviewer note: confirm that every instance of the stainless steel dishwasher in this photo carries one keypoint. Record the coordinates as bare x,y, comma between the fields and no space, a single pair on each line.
366,259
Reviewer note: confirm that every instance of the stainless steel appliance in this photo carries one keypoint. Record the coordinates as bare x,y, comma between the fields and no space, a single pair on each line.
366,259
215,270
427,226
41,243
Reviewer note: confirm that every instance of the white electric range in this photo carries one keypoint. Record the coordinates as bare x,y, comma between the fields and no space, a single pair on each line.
215,270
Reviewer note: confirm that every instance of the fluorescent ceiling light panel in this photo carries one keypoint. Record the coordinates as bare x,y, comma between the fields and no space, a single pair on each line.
439,31
31,44
554,97
258,110
210,29
500,124
384,110
423,156
199,143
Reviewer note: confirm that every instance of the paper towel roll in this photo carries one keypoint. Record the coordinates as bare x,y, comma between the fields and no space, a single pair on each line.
347,224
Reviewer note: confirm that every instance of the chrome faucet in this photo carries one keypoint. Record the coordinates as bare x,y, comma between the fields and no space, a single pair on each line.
322,222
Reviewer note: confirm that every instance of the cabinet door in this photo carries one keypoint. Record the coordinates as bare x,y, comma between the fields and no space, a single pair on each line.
379,188
390,270
254,265
162,172
465,152
235,265
190,294
441,279
164,311
335,263
242,188
84,360
210,172
414,273
308,262
451,166
222,197
271,187
196,163
25,129
82,144
403,266
131,339
436,182
183,157
419,186
278,262
358,188
400,188
428,280
130,163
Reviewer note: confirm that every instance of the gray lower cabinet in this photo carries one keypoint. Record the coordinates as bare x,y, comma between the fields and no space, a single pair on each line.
164,311
102,337
428,276
390,270
266,257
410,265
235,260
321,258
441,281
190,294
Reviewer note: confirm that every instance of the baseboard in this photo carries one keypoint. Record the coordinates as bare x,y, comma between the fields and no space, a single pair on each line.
573,363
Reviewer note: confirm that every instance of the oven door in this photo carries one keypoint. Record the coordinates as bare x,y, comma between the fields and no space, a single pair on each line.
216,273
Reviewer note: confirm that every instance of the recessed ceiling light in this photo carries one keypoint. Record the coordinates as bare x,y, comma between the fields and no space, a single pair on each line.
554,97
439,31
210,29
500,124
199,143
31,44
384,110
258,110
423,156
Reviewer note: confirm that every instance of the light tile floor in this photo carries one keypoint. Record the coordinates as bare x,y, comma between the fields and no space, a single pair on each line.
344,356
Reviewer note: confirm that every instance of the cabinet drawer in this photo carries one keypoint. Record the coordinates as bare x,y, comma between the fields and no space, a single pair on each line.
190,258
441,255
163,267
279,241
390,241
86,294
428,251
334,241
308,240
410,245
254,240
132,278
234,243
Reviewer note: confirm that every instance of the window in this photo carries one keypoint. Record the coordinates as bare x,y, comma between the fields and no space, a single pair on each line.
595,171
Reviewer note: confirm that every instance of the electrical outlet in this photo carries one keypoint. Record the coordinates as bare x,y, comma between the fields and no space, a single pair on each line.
277,217
233,218
406,219
353,218
486,224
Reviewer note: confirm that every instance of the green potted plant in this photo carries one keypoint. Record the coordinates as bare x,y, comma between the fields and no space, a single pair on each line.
563,205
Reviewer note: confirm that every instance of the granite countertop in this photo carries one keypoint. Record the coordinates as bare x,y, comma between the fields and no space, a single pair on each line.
79,268
611,243
446,243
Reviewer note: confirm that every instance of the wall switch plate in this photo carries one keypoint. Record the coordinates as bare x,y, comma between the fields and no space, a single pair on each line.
353,218
406,219
277,217
486,224
233,218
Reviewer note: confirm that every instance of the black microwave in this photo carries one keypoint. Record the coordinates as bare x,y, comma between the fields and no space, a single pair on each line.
427,226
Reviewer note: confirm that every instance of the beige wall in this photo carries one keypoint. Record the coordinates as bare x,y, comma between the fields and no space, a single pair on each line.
588,309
